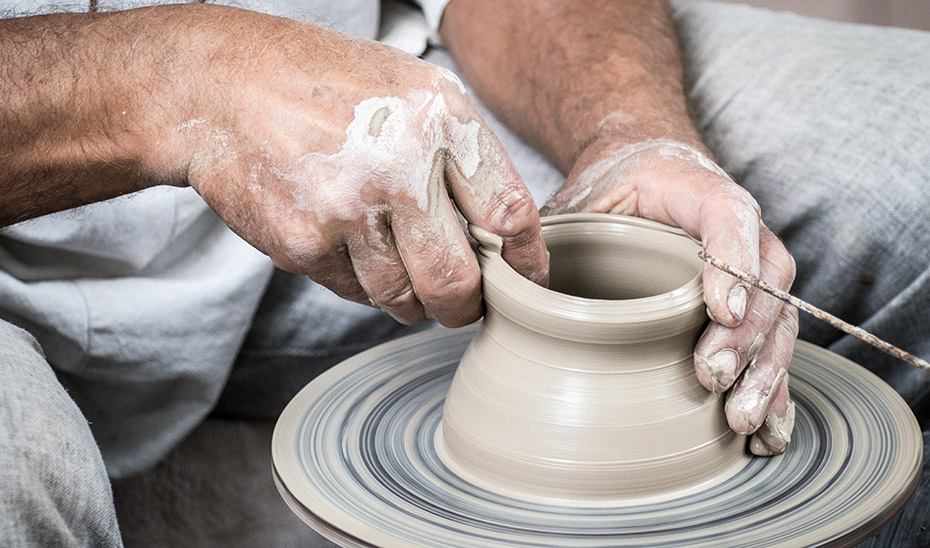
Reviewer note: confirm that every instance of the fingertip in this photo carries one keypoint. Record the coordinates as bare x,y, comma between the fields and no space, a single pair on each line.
405,312
702,373
717,373
774,436
458,318
540,276
454,299
526,253
720,294
727,305
459,308
758,448
750,403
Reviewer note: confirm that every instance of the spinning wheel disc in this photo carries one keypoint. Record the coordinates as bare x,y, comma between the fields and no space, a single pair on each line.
354,456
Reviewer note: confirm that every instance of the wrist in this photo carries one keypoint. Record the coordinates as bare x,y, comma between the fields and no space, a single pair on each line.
71,113
152,67
161,80
614,147
610,174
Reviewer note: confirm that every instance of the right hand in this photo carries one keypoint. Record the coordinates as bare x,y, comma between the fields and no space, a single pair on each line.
746,350
347,161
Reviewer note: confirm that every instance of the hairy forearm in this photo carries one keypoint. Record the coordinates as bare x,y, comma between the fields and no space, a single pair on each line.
565,74
94,104
72,117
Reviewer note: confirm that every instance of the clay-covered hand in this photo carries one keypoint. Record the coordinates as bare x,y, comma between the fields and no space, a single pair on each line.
350,162
747,347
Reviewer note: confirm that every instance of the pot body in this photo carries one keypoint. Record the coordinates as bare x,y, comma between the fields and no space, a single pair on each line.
586,391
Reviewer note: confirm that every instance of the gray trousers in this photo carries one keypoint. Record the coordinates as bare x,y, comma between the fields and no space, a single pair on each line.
826,125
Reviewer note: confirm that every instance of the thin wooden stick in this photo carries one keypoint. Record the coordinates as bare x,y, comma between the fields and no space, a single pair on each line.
822,315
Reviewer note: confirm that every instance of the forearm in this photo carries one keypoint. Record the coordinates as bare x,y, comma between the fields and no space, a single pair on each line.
565,74
96,105
340,158
74,111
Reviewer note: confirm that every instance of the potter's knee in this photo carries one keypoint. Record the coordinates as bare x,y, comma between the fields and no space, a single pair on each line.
55,488
17,342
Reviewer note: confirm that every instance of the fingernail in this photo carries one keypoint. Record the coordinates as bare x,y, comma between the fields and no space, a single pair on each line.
722,369
774,436
736,301
757,448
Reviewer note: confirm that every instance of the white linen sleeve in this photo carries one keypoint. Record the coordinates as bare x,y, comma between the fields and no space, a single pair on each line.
433,10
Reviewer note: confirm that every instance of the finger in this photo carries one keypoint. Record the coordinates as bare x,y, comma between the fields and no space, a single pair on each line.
749,400
730,230
493,197
439,261
381,272
773,437
723,352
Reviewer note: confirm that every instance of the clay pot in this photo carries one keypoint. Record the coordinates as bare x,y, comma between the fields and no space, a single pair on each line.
586,391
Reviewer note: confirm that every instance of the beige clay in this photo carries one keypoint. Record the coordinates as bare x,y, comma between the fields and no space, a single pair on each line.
577,421
586,391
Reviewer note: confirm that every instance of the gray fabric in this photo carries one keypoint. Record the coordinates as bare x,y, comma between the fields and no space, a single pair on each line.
213,491
822,122
112,291
53,487
301,329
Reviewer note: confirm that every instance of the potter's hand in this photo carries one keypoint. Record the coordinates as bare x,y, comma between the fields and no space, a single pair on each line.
347,161
747,347
338,157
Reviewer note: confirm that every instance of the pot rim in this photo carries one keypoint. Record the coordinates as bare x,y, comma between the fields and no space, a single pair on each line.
511,292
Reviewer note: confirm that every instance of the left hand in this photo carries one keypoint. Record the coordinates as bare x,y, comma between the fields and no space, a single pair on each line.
748,345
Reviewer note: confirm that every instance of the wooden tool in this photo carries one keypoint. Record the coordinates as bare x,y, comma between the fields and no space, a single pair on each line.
821,315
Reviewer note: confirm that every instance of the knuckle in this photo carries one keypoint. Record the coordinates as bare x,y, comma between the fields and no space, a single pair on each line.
733,203
782,268
454,288
301,248
396,295
338,277
347,289
742,197
787,324
445,78
788,267
509,210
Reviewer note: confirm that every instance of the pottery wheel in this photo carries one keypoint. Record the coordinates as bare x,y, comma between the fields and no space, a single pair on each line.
355,457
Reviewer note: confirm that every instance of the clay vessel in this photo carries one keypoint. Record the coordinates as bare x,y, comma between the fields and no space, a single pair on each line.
586,391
